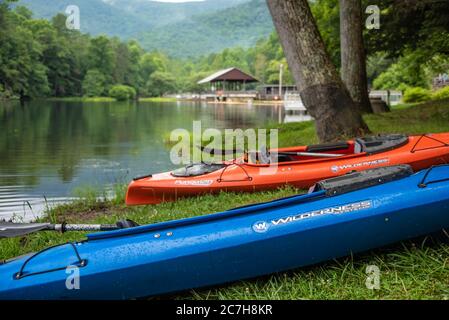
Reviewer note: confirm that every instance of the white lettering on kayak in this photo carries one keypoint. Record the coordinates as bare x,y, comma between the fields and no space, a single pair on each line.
372,163
262,227
334,210
195,183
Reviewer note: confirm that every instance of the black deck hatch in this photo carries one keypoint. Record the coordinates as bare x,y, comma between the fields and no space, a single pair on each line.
363,179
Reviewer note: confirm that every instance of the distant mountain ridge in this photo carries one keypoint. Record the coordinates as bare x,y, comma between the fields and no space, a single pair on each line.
184,29
97,17
164,13
241,26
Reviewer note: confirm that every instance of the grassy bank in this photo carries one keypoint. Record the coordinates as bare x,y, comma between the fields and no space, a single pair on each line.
416,269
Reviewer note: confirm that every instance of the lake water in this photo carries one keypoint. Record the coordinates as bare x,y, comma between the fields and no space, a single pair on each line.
48,150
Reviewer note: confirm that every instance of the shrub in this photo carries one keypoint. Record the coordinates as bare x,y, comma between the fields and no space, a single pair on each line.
94,84
5,93
406,71
442,93
122,92
417,94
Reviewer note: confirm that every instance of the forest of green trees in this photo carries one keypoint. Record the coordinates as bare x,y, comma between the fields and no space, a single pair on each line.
408,51
41,58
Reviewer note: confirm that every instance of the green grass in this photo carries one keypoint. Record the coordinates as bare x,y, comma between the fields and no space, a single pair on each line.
411,270
416,269
430,117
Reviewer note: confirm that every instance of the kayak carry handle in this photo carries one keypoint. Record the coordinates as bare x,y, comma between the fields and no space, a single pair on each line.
248,177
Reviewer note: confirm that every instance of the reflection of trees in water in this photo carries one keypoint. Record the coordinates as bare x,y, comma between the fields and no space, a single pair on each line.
243,116
52,138
60,135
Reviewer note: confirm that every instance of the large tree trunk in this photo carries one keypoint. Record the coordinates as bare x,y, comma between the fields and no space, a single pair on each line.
322,90
353,57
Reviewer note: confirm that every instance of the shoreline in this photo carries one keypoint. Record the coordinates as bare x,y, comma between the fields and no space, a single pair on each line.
157,99
252,103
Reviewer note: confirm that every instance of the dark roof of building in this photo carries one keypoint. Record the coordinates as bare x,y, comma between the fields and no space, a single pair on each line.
231,74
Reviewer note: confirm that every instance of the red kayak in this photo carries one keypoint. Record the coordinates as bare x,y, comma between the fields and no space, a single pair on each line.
300,167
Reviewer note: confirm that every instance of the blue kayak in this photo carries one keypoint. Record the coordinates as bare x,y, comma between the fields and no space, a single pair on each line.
341,216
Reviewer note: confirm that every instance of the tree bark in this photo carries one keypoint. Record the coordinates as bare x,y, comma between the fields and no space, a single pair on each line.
353,56
321,88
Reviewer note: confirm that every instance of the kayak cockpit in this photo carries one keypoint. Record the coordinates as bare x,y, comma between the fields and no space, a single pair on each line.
298,154
320,152
199,169
381,143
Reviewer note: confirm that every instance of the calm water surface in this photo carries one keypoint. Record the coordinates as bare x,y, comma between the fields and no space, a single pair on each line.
49,150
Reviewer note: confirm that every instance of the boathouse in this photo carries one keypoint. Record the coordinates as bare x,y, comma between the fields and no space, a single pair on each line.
229,84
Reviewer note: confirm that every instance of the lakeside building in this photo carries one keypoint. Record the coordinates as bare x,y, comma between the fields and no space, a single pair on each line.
235,85
228,84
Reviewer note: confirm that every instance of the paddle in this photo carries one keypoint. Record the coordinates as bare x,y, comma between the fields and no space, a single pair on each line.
301,154
12,230
311,154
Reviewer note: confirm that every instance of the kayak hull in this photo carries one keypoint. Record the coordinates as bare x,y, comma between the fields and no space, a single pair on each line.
234,245
420,152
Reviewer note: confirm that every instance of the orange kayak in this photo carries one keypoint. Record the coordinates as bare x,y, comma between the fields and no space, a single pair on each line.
300,167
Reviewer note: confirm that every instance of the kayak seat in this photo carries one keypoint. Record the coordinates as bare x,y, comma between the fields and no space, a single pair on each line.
381,143
326,147
263,156
253,157
284,158
363,179
258,158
